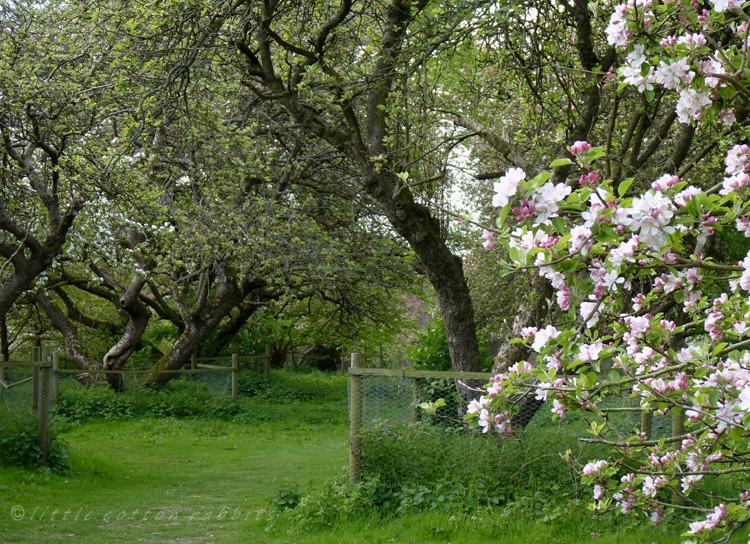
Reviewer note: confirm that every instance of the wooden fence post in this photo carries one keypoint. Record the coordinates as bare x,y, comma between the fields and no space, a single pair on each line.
46,359
414,401
36,355
235,374
55,379
44,401
193,361
355,423
267,361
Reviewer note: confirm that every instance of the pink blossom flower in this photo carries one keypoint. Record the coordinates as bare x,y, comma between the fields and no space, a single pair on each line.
723,5
543,337
691,105
506,188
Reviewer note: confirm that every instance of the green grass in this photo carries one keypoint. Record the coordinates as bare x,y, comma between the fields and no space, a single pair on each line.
206,480
158,480
169,480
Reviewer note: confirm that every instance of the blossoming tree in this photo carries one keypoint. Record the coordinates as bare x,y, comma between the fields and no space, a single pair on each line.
646,310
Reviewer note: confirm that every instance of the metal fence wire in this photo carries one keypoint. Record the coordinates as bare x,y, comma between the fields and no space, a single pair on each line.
27,389
17,399
391,434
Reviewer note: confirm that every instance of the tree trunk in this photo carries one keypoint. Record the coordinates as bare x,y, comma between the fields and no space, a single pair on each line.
4,348
235,323
74,349
199,326
130,341
532,311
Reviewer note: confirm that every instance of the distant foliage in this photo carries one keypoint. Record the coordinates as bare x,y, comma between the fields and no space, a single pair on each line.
294,386
177,399
190,398
431,350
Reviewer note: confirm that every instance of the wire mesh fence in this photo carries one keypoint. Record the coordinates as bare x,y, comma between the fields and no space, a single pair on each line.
18,398
31,388
390,434
27,389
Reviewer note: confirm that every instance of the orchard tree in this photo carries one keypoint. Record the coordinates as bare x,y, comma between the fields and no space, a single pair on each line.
650,272
335,81
63,83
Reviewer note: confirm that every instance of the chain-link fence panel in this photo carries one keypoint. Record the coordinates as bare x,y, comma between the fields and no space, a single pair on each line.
26,391
16,398
391,436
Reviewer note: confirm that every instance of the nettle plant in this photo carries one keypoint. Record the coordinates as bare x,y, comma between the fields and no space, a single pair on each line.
617,260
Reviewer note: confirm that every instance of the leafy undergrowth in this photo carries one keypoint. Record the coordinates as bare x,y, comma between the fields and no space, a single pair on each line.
19,445
260,399
259,475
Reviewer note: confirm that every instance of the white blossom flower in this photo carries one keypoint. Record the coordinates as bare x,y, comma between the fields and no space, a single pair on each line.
506,188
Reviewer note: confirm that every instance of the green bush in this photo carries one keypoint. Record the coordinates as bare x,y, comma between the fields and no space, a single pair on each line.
179,398
184,398
288,386
250,384
431,351
19,445
427,467
425,454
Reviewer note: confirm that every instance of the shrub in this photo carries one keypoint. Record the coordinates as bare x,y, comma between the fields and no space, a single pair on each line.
191,398
291,386
427,467
19,445
179,398
431,351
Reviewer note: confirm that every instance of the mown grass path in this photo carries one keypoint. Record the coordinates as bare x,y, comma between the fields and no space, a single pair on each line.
167,480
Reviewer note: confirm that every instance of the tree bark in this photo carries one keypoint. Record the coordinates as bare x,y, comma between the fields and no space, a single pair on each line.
74,349
367,148
200,324
130,341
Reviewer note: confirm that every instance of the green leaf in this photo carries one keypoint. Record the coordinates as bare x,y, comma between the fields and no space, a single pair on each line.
537,180
560,162
727,93
503,215
595,153
613,376
649,95
679,296
621,87
569,265
624,186
738,433
559,224
606,234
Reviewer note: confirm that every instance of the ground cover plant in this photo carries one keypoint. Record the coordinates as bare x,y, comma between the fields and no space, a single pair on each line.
193,398
273,473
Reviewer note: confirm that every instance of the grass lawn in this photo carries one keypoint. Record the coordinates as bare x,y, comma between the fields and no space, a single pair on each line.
167,480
